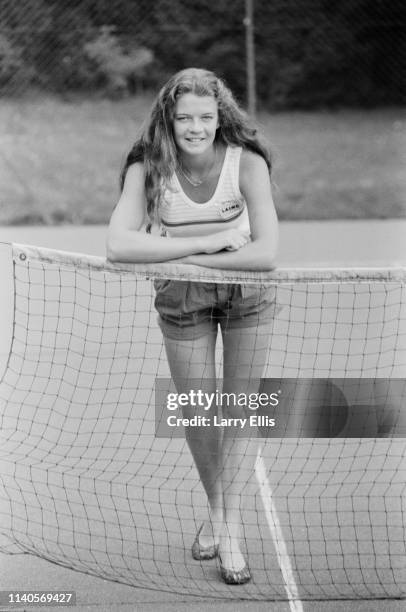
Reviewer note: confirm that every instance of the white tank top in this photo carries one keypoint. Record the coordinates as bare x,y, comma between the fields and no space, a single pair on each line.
180,216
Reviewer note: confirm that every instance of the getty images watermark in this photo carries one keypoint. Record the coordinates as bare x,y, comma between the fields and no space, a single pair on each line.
284,407
207,401
218,409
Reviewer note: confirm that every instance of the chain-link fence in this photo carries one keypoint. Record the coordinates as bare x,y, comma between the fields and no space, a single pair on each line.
76,80
308,52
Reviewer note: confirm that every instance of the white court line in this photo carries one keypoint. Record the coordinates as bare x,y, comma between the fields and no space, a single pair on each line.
277,535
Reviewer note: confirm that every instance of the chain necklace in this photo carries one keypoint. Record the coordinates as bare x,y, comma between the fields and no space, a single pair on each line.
197,182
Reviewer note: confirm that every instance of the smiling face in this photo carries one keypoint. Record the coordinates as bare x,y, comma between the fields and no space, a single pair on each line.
194,123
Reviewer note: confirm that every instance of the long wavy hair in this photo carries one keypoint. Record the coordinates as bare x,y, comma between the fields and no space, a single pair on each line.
156,146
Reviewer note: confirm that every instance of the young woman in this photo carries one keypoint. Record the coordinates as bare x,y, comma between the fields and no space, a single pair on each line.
201,172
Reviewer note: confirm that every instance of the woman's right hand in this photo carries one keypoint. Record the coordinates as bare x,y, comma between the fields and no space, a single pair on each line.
231,240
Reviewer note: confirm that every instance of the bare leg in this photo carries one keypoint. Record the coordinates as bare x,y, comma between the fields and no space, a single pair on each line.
245,352
192,366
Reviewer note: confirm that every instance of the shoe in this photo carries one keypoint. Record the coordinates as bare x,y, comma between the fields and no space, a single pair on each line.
235,576
203,553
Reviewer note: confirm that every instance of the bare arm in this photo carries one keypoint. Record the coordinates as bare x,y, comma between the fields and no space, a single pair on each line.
260,253
128,242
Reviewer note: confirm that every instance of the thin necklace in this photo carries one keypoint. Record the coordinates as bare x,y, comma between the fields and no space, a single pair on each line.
197,182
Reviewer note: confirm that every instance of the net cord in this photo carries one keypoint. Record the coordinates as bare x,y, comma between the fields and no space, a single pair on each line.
195,273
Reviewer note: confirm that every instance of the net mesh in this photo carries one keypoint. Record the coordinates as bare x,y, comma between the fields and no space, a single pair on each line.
85,482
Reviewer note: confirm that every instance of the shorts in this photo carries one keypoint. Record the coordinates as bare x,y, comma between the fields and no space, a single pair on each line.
189,310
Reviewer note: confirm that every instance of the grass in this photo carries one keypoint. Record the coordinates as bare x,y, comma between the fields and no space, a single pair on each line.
60,160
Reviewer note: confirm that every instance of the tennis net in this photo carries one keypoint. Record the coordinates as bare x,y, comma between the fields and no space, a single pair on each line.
87,483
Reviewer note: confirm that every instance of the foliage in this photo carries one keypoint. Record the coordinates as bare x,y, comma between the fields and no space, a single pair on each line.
309,53
116,71
11,61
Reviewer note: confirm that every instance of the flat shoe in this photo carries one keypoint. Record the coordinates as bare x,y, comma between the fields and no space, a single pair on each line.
203,553
235,576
